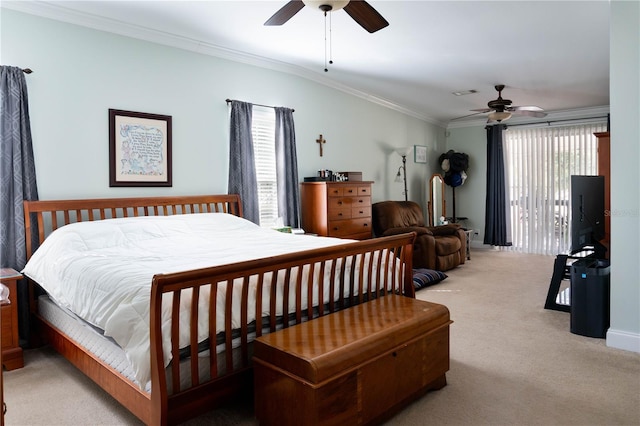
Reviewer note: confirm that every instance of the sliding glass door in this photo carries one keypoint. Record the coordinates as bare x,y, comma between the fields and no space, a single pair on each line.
539,162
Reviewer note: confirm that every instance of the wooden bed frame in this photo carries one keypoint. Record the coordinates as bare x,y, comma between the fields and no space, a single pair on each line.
171,405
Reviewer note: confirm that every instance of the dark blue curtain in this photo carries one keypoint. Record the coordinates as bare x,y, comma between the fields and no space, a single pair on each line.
497,228
242,170
18,182
287,168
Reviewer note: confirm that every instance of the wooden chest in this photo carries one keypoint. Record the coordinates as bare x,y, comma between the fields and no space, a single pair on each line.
356,366
337,209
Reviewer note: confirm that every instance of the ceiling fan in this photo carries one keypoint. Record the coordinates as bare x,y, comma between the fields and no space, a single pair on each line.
361,12
501,109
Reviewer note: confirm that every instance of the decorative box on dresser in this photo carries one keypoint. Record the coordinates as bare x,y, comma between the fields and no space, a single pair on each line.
337,209
11,350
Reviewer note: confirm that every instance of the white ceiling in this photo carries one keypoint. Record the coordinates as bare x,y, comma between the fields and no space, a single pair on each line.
553,54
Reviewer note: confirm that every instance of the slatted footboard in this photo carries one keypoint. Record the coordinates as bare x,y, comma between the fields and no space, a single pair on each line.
215,363
357,272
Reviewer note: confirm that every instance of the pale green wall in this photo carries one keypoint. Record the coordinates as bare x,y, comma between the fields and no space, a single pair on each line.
80,73
625,176
470,197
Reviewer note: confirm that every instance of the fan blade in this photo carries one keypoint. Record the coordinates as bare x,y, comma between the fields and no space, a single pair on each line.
365,15
529,113
468,115
482,110
285,13
526,108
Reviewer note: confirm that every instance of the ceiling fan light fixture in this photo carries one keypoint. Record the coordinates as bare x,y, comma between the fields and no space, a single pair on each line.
333,5
499,116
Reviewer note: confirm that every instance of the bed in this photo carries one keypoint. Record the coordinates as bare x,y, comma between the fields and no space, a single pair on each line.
190,352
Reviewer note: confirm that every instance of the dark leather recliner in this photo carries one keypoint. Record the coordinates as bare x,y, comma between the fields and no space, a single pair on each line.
436,247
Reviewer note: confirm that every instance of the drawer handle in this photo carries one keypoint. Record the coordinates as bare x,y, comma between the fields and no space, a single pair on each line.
340,202
339,214
366,224
335,228
361,212
361,201
350,190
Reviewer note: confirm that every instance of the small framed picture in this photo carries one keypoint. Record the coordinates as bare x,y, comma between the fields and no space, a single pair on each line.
419,154
139,149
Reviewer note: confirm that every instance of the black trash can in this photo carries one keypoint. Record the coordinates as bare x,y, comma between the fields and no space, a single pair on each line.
590,297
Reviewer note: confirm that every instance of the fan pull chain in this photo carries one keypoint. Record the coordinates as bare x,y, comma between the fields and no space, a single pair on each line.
325,42
330,41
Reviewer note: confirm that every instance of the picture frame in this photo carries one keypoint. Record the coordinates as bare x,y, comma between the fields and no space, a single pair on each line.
139,149
419,154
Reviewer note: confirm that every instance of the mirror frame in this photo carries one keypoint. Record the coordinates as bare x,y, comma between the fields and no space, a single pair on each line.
432,203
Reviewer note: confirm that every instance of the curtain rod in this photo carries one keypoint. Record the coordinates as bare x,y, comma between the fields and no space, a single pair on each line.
266,106
548,122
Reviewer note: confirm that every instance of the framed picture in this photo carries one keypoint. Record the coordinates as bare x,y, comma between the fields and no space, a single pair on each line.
139,149
419,154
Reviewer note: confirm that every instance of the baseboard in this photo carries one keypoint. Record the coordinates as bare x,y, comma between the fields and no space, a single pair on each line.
623,340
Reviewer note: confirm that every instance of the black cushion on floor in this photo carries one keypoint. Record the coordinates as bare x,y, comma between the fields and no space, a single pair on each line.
425,277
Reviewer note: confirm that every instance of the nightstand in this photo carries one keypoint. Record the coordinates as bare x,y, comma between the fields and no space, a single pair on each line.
4,301
11,350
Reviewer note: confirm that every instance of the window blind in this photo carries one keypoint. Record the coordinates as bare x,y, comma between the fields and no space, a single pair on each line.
539,163
263,132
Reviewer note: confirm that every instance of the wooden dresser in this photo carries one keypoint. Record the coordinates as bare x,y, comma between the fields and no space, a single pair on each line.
11,350
337,209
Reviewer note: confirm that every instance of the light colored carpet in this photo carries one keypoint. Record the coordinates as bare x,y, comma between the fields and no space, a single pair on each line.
512,363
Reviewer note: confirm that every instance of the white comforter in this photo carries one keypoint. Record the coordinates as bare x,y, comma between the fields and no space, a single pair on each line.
102,270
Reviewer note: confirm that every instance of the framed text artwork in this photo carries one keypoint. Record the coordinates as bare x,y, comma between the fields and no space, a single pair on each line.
419,154
139,149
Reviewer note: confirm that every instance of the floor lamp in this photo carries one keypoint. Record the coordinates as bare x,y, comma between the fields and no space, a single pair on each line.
403,152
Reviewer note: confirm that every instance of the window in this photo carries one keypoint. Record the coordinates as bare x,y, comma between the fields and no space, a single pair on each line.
539,163
263,133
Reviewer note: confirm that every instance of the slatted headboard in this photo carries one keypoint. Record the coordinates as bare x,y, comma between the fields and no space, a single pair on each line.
50,215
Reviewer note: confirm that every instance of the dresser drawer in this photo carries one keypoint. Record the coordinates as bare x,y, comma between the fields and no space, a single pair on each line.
350,191
364,190
361,211
350,212
345,228
335,191
340,213
340,202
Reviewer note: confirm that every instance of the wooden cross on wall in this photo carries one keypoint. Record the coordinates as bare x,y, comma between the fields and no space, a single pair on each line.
321,141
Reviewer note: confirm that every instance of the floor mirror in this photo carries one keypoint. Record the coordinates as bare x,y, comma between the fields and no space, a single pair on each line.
436,199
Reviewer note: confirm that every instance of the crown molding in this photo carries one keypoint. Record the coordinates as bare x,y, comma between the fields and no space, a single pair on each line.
60,13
